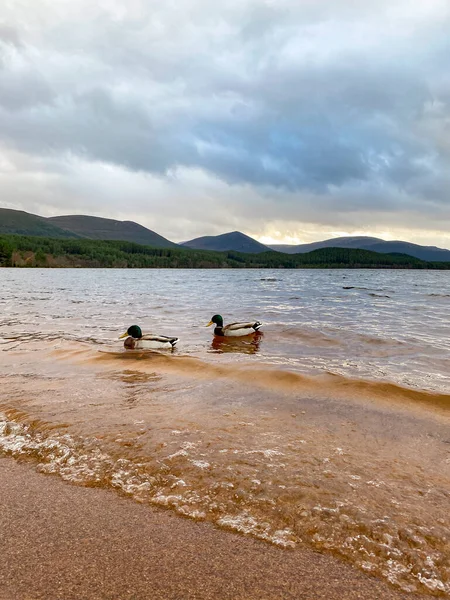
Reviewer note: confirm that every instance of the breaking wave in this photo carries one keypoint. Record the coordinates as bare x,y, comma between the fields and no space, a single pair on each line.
243,490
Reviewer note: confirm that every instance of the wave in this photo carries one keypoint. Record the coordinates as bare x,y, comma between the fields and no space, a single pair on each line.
214,487
329,385
84,461
55,336
356,287
337,337
311,337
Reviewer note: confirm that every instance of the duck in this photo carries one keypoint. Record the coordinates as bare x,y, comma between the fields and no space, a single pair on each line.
137,341
233,329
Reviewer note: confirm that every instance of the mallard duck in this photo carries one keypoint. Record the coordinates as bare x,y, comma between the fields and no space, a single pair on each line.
136,341
233,329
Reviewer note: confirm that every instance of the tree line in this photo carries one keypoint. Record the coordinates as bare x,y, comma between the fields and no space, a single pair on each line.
28,251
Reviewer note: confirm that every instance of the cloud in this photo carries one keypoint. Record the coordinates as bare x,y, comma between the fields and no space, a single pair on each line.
332,114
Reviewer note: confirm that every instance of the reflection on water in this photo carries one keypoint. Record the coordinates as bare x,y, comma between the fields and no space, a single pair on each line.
330,428
248,345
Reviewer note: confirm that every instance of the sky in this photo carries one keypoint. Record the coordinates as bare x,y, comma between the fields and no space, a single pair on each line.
290,120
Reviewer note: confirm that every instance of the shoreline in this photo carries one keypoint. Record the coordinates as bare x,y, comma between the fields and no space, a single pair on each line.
64,542
341,267
38,251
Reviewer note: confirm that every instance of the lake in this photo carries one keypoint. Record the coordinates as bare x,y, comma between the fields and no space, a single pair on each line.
330,429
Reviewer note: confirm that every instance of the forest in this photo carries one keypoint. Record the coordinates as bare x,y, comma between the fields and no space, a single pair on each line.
28,251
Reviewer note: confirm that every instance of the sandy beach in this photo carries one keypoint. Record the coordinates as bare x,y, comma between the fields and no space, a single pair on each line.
65,542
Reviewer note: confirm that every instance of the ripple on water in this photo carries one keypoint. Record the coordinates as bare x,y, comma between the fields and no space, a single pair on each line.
251,492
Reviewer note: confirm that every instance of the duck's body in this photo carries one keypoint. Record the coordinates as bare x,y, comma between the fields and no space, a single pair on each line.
233,329
137,341
237,329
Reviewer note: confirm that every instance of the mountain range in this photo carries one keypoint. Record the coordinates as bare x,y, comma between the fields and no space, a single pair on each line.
98,228
242,243
431,253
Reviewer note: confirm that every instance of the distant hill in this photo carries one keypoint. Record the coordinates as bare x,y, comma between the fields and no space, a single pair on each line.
430,253
427,253
98,228
340,242
22,223
18,222
237,241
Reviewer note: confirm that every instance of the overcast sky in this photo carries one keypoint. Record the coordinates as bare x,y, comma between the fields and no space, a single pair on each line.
289,120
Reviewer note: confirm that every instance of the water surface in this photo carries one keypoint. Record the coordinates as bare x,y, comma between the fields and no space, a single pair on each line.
330,429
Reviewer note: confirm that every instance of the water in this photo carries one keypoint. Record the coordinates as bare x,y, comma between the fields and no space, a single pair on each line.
330,429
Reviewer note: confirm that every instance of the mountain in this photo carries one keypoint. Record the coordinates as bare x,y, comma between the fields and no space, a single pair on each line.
22,223
428,253
19,222
98,228
340,242
237,241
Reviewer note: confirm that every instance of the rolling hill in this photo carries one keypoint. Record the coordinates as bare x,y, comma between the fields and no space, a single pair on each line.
19,222
22,223
98,228
427,253
237,241
340,242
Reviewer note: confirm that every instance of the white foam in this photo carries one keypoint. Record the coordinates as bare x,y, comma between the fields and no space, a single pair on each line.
267,453
201,464
247,524
408,560
176,454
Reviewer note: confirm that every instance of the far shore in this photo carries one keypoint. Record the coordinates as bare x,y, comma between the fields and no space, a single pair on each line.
29,251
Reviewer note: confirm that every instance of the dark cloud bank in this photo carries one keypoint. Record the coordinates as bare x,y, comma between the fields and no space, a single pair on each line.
262,116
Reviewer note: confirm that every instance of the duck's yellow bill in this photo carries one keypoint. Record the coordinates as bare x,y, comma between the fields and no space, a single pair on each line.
210,323
123,335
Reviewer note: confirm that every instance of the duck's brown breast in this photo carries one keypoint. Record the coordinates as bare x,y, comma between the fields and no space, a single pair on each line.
130,343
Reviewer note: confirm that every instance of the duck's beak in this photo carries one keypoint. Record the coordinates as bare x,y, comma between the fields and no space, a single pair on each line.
123,335
210,323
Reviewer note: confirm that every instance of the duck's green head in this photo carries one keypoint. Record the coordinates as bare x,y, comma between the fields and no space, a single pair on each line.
134,331
217,320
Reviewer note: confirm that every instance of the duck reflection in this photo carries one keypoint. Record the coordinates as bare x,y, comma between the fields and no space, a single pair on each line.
247,345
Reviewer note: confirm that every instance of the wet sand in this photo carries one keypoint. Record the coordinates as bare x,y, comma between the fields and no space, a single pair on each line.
62,542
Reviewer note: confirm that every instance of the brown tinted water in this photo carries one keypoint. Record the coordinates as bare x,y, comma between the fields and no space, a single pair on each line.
330,429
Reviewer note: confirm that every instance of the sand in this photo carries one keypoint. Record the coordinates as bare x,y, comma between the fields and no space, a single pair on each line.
62,542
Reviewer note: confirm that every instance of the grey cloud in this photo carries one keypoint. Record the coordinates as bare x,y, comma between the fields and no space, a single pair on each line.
9,35
309,99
